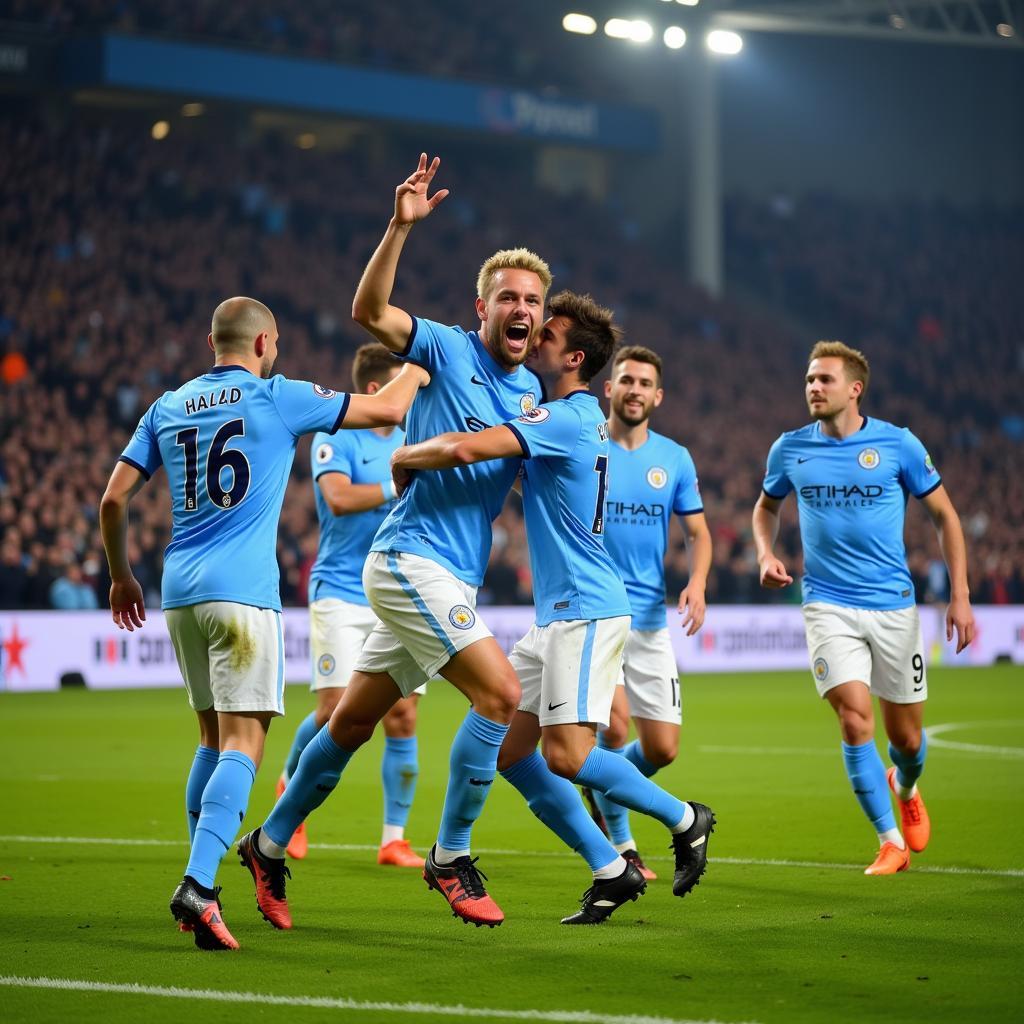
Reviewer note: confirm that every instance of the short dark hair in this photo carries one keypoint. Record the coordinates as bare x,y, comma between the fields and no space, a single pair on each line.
639,354
592,330
373,362
855,363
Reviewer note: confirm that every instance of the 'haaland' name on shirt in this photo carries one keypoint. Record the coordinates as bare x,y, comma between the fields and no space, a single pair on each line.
226,396
841,495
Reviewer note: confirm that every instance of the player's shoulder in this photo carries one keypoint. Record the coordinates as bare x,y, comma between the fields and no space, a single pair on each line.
666,447
883,428
807,434
446,333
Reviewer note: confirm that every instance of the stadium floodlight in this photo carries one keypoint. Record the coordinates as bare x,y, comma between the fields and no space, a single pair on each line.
584,24
636,31
674,37
307,140
1005,30
724,42
160,130
193,109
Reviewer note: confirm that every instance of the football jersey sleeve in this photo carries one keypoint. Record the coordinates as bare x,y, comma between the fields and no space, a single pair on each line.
917,472
304,406
432,345
776,482
687,500
331,453
143,450
548,430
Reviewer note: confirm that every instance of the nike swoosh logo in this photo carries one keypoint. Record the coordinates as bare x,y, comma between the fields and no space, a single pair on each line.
555,707
807,459
370,459
473,380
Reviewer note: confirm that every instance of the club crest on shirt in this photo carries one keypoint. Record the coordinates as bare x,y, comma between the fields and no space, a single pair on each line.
527,404
324,453
657,477
536,415
321,392
868,458
325,664
820,669
462,617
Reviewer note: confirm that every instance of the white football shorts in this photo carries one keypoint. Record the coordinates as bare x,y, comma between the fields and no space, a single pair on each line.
880,648
337,631
427,615
231,655
651,676
569,669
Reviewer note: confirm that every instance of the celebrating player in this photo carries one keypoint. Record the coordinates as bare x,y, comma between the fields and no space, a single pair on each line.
428,559
227,439
570,661
354,491
650,478
852,475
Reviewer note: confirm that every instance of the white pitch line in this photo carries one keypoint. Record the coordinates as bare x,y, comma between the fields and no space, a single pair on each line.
329,1003
764,862
933,732
759,751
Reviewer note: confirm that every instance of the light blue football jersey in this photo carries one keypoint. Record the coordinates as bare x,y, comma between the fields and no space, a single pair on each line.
852,495
446,514
565,479
365,458
227,440
645,486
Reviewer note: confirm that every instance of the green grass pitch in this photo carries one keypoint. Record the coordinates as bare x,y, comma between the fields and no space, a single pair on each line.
783,928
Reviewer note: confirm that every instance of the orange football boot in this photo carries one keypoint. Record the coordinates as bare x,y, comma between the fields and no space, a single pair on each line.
269,875
890,860
460,884
202,917
399,853
298,845
917,826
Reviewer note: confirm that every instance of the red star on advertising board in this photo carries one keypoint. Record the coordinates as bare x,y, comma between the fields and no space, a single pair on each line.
13,646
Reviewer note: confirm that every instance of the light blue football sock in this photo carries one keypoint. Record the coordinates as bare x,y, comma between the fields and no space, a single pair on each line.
635,754
867,777
556,803
399,770
616,817
225,799
303,734
203,764
909,767
316,775
472,766
621,781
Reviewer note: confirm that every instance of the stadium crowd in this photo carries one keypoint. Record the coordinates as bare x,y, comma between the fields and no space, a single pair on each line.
117,247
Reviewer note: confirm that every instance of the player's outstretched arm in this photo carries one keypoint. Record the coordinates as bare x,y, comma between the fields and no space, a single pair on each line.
959,616
371,306
445,451
692,603
766,529
387,407
126,600
345,498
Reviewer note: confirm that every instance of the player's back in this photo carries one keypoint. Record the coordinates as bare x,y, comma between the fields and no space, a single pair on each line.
564,488
227,440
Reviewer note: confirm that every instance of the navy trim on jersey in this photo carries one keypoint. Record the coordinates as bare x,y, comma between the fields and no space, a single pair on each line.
224,367
141,469
924,494
520,439
408,345
341,415
578,391
774,497
697,511
328,472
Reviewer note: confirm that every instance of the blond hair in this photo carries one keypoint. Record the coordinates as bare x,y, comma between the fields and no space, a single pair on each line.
855,363
511,259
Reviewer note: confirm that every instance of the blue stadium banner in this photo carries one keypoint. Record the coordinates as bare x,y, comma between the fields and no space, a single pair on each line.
208,72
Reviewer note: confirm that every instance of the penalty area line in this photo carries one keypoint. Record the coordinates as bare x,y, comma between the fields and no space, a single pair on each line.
332,1003
757,862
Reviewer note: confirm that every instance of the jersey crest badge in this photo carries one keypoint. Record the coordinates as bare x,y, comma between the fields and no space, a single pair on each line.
868,458
527,404
322,392
462,617
324,453
657,477
535,415
820,669
325,665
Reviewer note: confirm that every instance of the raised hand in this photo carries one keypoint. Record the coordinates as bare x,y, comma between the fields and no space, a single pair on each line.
411,201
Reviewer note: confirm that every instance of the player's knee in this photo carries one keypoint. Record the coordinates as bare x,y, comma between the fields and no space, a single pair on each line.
563,762
400,722
661,752
906,739
856,725
617,733
500,699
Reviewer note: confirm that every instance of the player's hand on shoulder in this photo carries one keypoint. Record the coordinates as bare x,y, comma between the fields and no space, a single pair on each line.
773,573
411,201
127,604
960,618
417,372
693,608
400,474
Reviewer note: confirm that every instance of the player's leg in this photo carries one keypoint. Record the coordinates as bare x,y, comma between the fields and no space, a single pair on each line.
612,819
204,761
399,772
841,664
900,680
